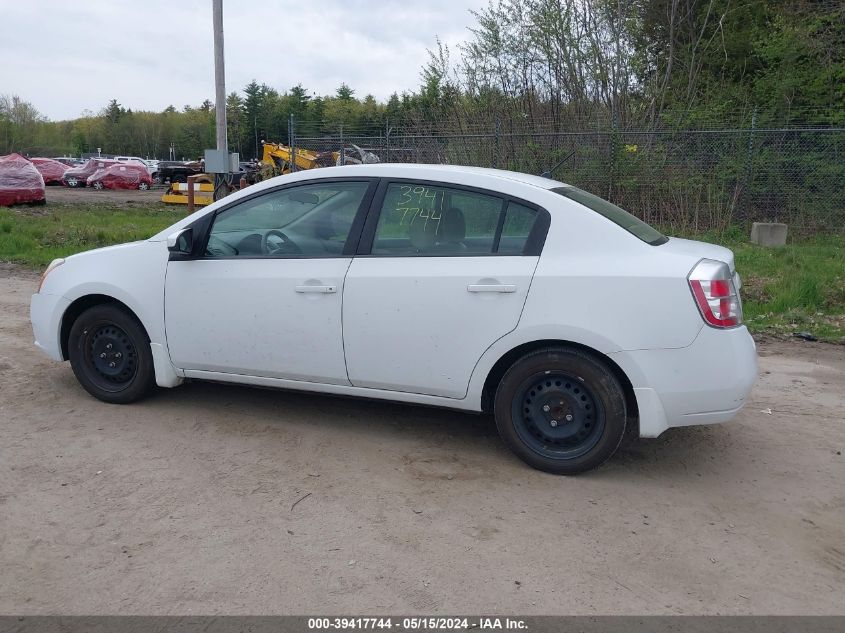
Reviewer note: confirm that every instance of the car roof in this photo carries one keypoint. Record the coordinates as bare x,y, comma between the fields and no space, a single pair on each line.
433,172
425,172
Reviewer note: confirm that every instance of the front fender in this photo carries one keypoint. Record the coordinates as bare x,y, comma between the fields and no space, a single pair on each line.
147,316
130,273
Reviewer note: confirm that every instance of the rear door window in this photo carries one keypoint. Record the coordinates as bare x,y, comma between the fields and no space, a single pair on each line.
424,219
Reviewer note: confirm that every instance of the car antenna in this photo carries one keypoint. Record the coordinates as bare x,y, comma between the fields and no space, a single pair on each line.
548,173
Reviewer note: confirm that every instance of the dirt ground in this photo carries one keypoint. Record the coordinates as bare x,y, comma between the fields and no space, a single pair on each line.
213,500
66,195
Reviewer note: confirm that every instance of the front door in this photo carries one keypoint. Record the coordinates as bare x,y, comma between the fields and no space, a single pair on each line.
265,298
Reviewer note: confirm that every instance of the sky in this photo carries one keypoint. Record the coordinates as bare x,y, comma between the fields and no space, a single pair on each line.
70,57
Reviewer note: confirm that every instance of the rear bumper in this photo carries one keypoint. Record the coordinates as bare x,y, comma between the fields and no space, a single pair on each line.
706,382
45,312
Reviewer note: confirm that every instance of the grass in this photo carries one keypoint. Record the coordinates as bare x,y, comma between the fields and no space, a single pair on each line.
797,288
800,287
34,236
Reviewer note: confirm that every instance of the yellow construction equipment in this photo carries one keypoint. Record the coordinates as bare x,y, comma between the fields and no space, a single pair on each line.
276,159
177,193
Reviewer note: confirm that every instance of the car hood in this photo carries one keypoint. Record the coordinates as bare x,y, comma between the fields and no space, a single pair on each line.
93,251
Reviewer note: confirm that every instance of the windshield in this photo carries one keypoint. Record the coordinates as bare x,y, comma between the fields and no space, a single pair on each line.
615,214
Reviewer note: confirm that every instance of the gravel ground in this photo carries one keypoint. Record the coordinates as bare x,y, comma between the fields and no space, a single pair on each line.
214,499
88,195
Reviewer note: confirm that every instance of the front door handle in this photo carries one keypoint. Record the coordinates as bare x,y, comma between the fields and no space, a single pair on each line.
317,289
491,288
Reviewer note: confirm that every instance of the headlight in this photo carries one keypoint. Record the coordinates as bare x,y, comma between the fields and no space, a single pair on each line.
53,265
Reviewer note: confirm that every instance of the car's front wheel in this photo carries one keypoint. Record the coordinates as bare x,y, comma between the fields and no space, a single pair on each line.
561,410
110,355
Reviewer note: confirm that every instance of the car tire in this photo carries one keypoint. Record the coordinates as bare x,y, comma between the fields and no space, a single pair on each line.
98,186
110,355
561,410
142,186
72,182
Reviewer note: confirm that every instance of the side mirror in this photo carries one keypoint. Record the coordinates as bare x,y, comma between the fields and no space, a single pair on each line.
181,242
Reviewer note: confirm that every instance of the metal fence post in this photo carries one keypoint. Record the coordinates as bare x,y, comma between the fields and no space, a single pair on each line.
342,150
387,141
496,130
292,143
749,169
614,157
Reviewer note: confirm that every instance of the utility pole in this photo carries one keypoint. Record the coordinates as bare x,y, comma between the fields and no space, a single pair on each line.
220,97
219,76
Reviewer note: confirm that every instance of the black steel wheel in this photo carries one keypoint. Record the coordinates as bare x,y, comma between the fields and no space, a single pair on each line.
561,410
110,354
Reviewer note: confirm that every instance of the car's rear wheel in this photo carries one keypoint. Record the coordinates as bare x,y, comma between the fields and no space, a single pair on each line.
143,186
561,410
97,185
110,355
72,182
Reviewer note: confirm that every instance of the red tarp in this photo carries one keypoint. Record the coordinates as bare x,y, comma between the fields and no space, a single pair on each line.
51,170
76,176
121,176
19,181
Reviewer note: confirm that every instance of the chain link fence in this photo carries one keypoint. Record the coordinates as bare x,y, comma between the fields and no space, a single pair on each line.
689,180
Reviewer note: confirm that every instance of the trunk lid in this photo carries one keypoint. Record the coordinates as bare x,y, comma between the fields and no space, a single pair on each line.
702,250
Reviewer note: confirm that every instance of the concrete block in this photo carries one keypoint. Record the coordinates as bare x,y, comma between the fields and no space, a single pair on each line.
768,234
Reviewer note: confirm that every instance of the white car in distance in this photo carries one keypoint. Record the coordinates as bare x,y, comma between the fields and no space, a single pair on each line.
150,165
569,319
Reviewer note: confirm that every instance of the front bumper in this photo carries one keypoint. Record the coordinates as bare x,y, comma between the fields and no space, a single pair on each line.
706,382
45,313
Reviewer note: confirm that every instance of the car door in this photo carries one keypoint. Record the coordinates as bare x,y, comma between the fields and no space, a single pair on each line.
263,297
442,272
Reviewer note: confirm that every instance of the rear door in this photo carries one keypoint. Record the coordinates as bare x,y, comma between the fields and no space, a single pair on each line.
441,273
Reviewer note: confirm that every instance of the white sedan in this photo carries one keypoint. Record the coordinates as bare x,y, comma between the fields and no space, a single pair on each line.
569,319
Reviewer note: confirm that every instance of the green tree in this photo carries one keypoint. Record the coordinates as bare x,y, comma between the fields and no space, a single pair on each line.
345,93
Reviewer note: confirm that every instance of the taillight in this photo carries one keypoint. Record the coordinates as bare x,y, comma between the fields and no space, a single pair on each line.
715,293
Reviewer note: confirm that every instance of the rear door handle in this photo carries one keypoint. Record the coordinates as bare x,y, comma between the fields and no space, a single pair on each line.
491,288
317,289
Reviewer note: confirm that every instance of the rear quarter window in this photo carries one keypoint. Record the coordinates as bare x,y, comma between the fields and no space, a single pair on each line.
519,222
